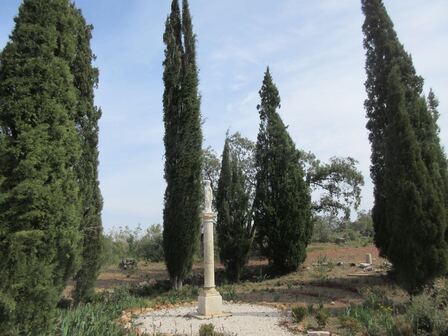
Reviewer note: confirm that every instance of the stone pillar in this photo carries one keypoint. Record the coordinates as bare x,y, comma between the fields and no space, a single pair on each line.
369,258
209,301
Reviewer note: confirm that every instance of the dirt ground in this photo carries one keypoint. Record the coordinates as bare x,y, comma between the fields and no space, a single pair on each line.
330,276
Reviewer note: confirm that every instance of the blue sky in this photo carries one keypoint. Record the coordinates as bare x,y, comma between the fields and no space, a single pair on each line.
314,49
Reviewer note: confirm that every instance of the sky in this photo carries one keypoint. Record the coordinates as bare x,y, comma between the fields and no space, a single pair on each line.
313,48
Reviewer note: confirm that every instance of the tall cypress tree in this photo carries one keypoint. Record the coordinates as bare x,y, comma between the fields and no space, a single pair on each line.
39,198
87,117
414,210
382,49
183,142
233,225
282,199
389,68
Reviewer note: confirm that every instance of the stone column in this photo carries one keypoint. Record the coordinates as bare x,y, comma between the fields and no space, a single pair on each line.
209,301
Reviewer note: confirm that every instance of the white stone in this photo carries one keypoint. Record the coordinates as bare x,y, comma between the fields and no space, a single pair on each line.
319,333
210,303
369,258
208,197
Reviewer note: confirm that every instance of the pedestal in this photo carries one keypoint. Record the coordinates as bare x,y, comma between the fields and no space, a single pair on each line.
209,300
209,303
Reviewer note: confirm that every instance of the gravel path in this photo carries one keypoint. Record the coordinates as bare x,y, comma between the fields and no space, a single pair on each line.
245,320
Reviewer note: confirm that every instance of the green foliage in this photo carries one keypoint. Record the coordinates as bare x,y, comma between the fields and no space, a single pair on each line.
338,182
282,197
298,313
150,246
98,317
234,222
409,167
207,330
128,243
87,117
416,217
426,316
39,148
322,315
183,141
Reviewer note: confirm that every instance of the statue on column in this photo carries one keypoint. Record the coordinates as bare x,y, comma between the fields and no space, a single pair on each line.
208,197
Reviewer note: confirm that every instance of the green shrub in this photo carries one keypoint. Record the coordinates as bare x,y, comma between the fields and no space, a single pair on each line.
322,315
310,309
229,293
99,317
207,330
298,314
426,317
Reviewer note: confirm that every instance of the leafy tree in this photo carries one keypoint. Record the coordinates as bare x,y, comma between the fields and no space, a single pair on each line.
338,183
282,199
395,101
183,140
150,246
234,222
87,117
39,145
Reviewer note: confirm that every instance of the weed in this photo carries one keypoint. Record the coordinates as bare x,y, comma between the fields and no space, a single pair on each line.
229,293
322,315
323,268
298,314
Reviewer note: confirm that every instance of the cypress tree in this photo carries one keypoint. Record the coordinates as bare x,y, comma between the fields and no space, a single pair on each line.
234,216
414,209
389,69
39,198
183,142
282,199
382,50
87,117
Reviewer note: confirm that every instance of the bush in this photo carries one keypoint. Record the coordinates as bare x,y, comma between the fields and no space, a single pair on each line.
426,317
209,330
150,246
298,314
322,315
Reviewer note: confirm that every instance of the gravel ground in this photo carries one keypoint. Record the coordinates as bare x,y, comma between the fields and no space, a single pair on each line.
245,320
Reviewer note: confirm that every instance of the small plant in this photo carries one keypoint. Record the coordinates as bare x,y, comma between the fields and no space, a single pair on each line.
322,316
207,330
310,309
298,314
276,297
323,268
229,293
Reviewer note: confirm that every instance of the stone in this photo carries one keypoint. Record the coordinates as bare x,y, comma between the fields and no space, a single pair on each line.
364,265
369,258
319,333
209,303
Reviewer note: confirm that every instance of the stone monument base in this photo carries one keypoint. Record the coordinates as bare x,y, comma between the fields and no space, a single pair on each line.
209,303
